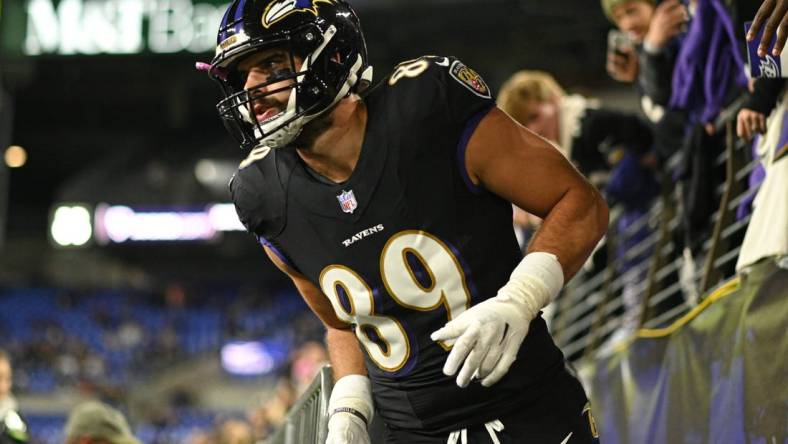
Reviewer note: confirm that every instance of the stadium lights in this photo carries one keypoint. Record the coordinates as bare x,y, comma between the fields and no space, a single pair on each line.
121,224
247,358
215,173
15,156
205,171
71,226
224,218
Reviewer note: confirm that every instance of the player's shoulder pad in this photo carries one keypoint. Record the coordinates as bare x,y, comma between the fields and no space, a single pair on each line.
258,193
426,73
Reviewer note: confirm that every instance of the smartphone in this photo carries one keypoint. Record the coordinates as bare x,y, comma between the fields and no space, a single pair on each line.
619,43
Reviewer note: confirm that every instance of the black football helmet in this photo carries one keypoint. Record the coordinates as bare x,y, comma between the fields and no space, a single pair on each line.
325,34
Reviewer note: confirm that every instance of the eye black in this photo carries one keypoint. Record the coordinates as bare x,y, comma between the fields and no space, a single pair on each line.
280,74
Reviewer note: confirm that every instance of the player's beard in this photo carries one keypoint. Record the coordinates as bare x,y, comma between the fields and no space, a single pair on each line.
312,130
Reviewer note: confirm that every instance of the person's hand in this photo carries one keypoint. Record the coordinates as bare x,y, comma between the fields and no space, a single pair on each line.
669,19
775,14
623,65
346,428
350,409
488,336
749,122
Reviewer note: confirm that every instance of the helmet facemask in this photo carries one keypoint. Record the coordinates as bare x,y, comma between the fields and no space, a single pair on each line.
237,109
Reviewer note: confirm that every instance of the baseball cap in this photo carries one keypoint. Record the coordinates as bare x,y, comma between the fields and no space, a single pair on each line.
97,420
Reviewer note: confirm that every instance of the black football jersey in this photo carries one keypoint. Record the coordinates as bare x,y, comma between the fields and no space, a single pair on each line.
407,243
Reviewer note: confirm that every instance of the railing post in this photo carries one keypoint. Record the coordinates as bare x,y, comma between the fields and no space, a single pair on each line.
326,385
290,432
710,273
668,213
607,291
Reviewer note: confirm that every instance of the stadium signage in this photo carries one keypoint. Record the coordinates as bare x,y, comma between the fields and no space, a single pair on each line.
79,225
117,224
88,27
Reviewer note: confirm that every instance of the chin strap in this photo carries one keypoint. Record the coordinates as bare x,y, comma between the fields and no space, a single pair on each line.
366,76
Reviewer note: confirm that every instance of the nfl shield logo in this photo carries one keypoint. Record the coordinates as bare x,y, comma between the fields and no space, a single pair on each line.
347,201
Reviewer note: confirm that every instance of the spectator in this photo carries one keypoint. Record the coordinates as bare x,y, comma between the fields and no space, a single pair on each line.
708,73
751,119
655,36
654,32
708,76
750,122
7,400
306,363
582,129
12,428
200,437
234,431
280,401
94,422
261,426
766,234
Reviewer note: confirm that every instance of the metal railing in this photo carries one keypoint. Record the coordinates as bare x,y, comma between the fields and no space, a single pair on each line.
307,420
654,282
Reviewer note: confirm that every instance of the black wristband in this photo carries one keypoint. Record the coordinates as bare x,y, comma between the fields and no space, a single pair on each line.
350,410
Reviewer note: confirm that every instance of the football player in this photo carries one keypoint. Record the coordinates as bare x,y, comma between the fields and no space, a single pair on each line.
390,209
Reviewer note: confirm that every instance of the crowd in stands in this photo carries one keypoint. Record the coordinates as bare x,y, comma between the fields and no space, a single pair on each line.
103,343
687,62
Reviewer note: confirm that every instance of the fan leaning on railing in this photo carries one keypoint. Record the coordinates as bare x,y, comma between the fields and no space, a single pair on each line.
669,281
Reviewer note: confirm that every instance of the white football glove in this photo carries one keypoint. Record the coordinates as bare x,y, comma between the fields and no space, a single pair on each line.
350,411
346,428
489,334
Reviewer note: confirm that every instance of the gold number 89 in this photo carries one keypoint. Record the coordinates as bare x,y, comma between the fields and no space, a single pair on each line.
446,287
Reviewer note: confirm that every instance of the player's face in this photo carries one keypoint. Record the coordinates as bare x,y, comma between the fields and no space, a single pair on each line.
541,118
633,18
262,67
5,378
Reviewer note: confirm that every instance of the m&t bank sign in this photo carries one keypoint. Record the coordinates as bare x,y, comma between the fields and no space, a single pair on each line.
69,27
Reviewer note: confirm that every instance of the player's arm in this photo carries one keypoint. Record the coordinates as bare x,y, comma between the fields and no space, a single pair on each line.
343,347
523,168
350,407
512,162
